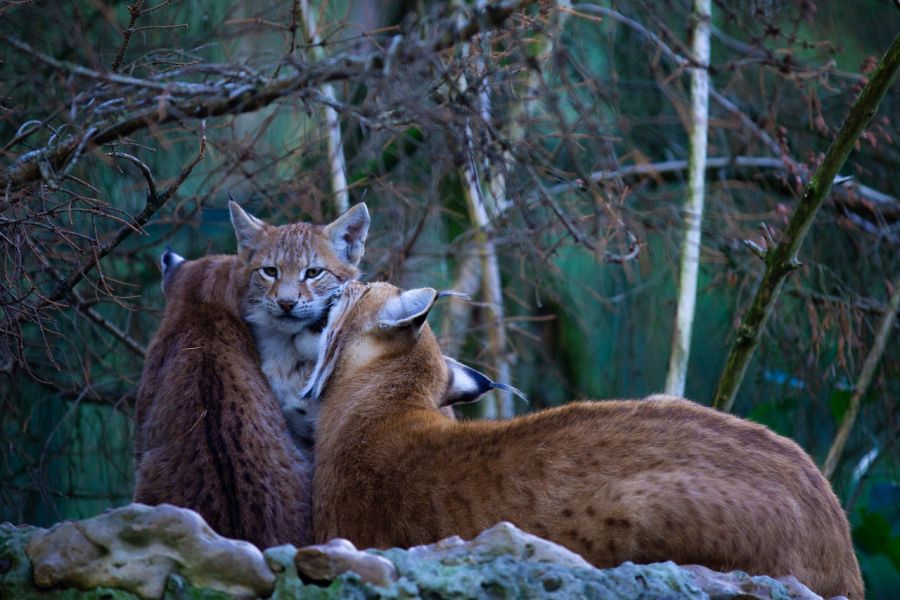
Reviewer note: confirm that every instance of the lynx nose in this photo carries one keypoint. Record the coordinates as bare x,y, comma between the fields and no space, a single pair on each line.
287,305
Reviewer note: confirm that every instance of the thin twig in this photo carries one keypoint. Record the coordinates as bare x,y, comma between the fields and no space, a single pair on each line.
862,384
135,10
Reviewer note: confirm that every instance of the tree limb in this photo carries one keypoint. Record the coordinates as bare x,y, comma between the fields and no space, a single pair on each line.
867,198
198,101
783,259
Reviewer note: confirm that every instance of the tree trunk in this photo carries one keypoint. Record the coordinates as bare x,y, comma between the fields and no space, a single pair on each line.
492,289
337,166
458,311
693,212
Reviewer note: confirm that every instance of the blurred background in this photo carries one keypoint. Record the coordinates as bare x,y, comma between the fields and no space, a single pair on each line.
534,158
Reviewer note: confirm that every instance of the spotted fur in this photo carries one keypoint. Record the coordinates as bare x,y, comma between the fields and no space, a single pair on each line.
209,433
632,480
295,272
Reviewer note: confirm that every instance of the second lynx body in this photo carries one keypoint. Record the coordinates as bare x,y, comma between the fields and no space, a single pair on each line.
645,481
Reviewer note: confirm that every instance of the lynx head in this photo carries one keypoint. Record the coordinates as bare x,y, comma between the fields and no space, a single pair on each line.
377,334
296,270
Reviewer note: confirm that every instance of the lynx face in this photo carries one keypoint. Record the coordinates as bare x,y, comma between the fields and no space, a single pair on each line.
293,281
296,270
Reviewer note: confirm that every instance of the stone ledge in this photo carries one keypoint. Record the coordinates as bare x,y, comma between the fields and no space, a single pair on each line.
167,552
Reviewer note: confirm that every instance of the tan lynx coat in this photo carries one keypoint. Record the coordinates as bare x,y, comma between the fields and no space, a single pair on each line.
209,434
645,481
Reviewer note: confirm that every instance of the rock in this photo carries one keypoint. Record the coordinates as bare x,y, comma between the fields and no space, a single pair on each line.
504,561
136,548
738,584
328,561
15,572
170,553
503,539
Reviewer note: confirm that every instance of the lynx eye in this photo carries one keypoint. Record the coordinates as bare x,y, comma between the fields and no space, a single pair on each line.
270,272
312,273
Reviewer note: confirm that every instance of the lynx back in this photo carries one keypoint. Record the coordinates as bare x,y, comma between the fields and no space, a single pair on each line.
639,480
209,433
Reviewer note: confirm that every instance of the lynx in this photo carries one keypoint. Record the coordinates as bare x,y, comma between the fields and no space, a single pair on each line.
630,480
294,274
209,434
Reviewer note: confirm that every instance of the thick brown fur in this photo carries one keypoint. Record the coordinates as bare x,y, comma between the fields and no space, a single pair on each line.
640,480
209,434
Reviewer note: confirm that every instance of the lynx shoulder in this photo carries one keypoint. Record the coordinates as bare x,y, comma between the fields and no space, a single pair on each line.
209,433
638,480
293,273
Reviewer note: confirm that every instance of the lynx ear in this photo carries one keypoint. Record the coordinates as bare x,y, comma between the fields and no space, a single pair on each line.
169,262
465,384
246,226
348,233
408,310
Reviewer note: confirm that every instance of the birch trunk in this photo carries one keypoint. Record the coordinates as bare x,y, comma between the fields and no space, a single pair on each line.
337,166
693,211
491,286
458,311
479,200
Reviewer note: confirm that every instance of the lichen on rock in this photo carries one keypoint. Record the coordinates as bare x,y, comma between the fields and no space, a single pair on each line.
170,553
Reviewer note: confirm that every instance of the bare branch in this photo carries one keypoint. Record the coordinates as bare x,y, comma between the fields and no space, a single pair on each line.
851,194
179,102
783,259
154,203
862,384
127,341
145,170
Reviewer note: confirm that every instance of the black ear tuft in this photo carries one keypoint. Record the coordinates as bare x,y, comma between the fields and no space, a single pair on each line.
168,257
169,263
465,384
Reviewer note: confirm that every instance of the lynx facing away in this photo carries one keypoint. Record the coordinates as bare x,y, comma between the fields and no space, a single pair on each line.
639,480
295,272
209,433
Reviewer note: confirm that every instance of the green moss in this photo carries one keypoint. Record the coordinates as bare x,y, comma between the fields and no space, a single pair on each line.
177,588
